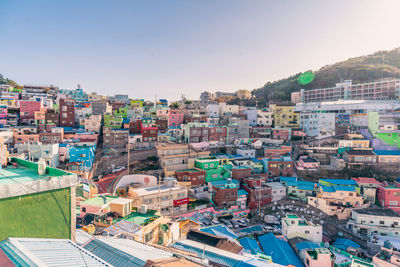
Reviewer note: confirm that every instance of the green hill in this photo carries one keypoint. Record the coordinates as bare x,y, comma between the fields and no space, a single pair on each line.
379,65
7,81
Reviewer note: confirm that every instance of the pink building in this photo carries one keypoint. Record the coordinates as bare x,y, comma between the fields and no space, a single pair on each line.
162,113
318,257
97,204
389,197
20,138
306,163
28,108
175,118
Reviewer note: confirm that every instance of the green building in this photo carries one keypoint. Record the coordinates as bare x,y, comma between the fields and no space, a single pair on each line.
121,112
112,121
36,205
214,172
384,127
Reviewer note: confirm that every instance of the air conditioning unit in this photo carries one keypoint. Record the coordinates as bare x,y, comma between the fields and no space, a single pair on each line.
143,209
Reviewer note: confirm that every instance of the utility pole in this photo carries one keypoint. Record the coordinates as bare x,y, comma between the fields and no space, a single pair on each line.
128,161
259,200
159,191
29,150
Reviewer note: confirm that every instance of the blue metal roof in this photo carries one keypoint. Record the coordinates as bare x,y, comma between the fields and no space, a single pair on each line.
242,192
211,256
387,152
326,188
340,181
219,230
279,250
250,245
343,244
287,179
305,245
303,185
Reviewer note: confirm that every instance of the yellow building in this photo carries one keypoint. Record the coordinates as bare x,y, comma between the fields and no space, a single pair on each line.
244,94
337,200
284,116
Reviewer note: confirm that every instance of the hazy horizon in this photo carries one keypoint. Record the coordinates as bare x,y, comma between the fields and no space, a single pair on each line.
167,48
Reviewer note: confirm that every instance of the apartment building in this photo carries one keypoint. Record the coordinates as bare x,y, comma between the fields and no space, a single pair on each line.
318,125
376,90
173,157
374,221
67,113
115,138
259,193
284,116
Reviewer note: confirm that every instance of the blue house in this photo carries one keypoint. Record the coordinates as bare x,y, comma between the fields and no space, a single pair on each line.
280,250
84,155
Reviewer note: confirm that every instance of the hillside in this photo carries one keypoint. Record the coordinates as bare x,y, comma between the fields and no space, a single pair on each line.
381,64
7,81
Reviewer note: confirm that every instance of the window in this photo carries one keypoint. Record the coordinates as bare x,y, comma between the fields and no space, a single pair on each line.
83,209
381,222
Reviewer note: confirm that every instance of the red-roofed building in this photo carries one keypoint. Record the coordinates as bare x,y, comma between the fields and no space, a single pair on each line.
389,197
367,181
368,187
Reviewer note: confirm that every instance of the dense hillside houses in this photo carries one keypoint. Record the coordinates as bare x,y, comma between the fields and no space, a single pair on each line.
212,181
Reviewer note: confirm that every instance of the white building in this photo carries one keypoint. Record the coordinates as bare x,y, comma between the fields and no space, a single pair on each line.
318,125
374,221
246,152
278,190
264,118
48,152
81,112
92,123
225,109
293,226
349,106
170,198
212,110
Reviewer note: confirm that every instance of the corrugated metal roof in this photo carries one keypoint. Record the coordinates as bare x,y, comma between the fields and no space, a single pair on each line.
279,250
124,252
48,252
250,245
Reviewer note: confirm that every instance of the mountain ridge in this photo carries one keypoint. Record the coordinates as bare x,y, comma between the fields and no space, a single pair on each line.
381,64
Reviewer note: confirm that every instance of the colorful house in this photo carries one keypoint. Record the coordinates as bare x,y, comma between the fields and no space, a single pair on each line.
337,200
214,172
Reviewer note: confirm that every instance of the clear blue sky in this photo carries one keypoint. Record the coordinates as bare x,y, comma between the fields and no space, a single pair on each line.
166,47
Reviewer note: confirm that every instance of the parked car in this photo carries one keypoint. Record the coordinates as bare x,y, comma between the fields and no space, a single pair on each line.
235,224
227,223
215,222
207,222
242,223
118,169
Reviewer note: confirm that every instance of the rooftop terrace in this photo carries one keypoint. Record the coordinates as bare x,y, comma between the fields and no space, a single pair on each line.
24,171
25,174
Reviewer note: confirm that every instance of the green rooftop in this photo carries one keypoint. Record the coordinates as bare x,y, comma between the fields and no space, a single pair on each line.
25,171
292,216
99,201
139,218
